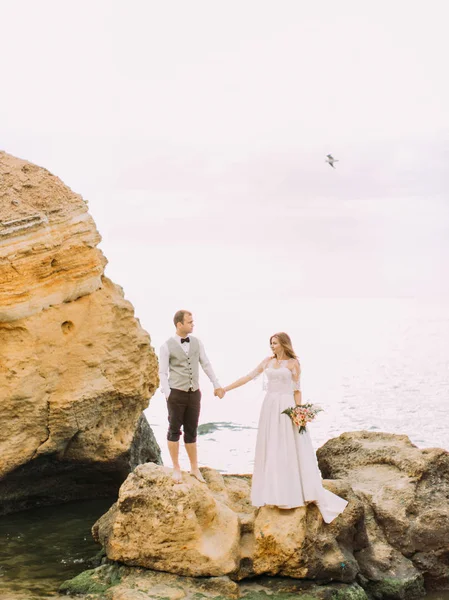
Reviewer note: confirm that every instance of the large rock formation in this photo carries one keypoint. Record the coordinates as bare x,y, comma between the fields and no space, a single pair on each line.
405,494
392,539
76,368
201,530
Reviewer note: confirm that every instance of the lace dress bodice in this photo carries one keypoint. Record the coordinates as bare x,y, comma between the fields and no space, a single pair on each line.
280,377
279,380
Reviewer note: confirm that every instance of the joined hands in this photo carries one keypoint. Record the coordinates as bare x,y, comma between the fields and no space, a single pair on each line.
220,392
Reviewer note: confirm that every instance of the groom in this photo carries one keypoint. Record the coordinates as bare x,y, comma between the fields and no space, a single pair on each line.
179,362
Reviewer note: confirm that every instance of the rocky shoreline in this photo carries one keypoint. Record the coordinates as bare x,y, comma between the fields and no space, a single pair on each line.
392,541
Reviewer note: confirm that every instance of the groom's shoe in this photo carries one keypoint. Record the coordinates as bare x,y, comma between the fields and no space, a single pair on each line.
177,476
197,474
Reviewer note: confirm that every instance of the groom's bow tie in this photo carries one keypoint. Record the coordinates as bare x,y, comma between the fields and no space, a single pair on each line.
187,339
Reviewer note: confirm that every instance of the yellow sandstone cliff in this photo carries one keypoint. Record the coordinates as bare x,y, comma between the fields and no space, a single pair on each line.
76,368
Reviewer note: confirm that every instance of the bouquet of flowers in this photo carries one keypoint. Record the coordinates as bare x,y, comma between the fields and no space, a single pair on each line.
302,414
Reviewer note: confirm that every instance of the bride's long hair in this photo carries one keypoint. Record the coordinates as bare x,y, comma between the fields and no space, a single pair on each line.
285,342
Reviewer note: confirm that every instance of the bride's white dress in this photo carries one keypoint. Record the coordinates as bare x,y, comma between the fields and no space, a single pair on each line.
286,472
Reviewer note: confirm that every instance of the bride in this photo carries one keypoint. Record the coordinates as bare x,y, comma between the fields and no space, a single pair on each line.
286,472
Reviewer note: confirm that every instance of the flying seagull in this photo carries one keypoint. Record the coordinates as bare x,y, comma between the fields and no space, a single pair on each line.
330,159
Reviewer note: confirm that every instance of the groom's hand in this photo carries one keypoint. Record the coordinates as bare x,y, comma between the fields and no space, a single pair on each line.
219,392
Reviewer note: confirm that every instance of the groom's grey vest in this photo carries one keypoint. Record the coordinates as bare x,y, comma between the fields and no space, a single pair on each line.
183,369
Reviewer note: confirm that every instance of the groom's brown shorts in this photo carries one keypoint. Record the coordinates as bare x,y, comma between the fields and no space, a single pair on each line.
183,411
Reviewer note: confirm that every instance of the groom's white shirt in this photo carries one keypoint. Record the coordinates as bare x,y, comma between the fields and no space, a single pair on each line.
164,360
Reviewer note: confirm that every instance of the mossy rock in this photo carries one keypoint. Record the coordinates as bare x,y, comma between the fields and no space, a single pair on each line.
392,588
93,581
290,589
349,592
96,582
98,559
206,428
84,583
262,595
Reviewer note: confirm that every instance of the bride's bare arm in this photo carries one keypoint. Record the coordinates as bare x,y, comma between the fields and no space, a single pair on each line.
237,383
257,371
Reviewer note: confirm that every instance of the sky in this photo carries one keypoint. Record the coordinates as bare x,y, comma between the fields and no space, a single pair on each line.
150,86
198,130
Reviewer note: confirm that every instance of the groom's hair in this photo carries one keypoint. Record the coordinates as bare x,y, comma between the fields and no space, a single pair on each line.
179,316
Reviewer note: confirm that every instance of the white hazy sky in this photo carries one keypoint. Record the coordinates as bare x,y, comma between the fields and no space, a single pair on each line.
114,86
207,122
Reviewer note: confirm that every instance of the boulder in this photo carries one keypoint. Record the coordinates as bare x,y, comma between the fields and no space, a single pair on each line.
195,529
178,528
405,491
76,367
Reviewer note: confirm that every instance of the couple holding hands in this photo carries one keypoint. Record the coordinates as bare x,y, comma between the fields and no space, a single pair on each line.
286,473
